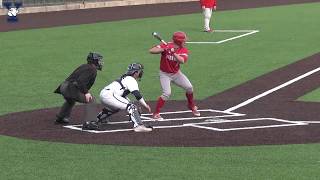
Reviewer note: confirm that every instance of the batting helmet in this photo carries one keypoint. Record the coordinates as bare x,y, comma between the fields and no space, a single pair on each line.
179,38
96,59
135,67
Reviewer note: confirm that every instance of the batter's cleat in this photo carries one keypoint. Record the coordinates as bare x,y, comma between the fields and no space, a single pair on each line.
90,125
62,120
157,117
195,111
142,128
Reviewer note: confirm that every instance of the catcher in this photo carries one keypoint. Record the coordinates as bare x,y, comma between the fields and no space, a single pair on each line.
114,98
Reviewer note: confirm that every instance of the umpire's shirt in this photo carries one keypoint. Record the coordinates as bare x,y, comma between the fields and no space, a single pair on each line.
78,83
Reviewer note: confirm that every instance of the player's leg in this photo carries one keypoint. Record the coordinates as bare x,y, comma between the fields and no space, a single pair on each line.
100,118
111,106
104,114
165,81
210,23
65,111
121,103
134,114
135,117
114,103
71,96
207,12
182,81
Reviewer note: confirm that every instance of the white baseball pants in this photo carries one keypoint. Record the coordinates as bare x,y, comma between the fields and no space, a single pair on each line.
207,13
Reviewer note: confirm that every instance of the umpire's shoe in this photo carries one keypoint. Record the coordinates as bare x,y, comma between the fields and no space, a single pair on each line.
90,125
60,120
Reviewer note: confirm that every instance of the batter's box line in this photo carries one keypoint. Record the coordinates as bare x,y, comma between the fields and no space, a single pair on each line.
246,33
310,122
145,118
228,114
207,118
78,128
290,123
201,110
215,118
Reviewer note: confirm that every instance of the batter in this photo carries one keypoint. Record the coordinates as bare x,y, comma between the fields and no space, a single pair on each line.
172,55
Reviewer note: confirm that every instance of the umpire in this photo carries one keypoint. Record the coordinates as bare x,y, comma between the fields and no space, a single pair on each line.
76,87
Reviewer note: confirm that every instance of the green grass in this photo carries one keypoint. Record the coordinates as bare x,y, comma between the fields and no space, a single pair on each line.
40,160
313,96
37,60
199,36
34,62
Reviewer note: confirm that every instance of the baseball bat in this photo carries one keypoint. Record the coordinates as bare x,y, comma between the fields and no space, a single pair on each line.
157,36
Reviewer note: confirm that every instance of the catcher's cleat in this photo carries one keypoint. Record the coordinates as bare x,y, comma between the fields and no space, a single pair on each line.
103,121
157,117
90,125
142,128
102,117
62,120
195,111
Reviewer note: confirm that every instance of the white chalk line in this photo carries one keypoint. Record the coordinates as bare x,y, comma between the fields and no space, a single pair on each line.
77,127
272,90
187,111
236,37
202,125
247,33
245,128
310,122
290,123
146,119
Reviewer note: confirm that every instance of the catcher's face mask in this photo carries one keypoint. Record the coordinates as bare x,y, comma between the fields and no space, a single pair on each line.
141,71
140,74
135,68
96,59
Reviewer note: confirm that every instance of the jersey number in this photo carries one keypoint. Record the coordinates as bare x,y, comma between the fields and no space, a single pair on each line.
170,57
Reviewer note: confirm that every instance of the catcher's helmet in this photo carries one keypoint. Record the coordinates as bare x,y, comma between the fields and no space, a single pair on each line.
135,67
179,38
96,59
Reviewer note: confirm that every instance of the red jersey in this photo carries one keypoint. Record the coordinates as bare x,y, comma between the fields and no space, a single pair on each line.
168,63
208,3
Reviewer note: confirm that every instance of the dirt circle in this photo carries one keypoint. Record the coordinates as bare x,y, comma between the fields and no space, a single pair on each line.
274,119
39,125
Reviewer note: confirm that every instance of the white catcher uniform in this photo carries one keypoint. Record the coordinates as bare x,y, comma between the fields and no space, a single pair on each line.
114,97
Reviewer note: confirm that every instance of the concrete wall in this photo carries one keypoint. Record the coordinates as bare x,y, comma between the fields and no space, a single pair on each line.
87,5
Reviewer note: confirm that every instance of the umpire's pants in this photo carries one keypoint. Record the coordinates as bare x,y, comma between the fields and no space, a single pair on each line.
71,95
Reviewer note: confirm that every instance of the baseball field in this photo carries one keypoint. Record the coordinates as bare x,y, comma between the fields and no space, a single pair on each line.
256,82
